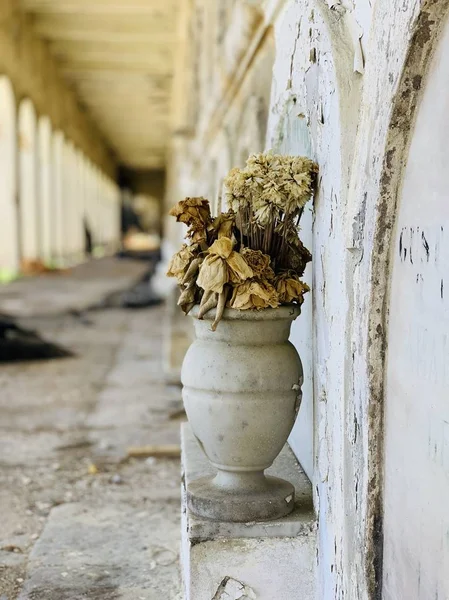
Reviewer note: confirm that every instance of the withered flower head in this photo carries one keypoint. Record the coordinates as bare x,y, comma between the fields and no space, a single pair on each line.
194,212
222,265
297,257
271,183
259,263
180,261
254,294
290,288
236,189
191,210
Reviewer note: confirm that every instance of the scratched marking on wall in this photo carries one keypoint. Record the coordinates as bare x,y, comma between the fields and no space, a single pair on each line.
425,248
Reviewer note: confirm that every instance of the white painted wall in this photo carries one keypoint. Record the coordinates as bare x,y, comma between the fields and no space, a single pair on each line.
28,182
356,69
292,137
416,521
9,242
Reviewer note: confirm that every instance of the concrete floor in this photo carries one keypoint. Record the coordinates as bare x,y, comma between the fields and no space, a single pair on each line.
78,519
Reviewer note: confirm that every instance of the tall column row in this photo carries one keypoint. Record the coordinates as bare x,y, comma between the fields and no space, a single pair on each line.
55,204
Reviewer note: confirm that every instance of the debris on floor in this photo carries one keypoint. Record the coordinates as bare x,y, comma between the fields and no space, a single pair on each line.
68,534
18,344
161,451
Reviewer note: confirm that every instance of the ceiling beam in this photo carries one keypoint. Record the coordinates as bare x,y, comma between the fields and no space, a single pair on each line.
49,25
144,45
80,69
118,57
101,7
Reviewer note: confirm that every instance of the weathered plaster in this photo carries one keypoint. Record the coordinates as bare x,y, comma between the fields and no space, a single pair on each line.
382,145
354,71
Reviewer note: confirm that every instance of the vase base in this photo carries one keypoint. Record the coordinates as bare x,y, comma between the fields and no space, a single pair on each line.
275,499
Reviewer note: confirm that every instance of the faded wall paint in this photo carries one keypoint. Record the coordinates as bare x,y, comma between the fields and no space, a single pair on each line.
416,522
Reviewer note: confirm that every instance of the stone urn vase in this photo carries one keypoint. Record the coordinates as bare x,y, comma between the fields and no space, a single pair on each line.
242,390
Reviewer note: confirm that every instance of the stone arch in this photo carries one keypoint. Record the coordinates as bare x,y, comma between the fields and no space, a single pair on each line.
45,200
28,207
423,42
9,246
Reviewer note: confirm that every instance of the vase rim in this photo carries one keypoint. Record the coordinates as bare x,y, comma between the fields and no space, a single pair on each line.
287,312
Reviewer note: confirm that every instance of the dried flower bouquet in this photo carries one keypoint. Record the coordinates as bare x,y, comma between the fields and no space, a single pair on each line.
250,257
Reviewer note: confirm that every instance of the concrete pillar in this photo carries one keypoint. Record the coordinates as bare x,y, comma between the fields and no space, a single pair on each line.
46,209
86,211
78,205
9,244
68,202
29,217
57,224
113,196
90,201
99,203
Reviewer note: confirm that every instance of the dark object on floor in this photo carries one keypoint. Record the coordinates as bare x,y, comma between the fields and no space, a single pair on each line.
19,345
152,256
141,295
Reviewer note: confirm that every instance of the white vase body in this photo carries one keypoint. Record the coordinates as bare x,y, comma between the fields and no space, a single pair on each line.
241,393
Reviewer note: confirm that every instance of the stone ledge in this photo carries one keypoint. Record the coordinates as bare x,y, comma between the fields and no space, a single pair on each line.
268,560
300,521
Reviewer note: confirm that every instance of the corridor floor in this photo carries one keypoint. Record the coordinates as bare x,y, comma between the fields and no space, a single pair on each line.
80,520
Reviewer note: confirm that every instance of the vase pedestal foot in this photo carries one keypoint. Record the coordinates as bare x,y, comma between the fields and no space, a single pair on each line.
237,498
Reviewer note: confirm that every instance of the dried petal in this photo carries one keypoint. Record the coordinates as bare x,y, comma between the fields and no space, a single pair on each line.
192,270
210,303
180,261
258,262
221,247
187,296
191,209
220,308
238,268
297,257
224,224
290,288
213,273
254,294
